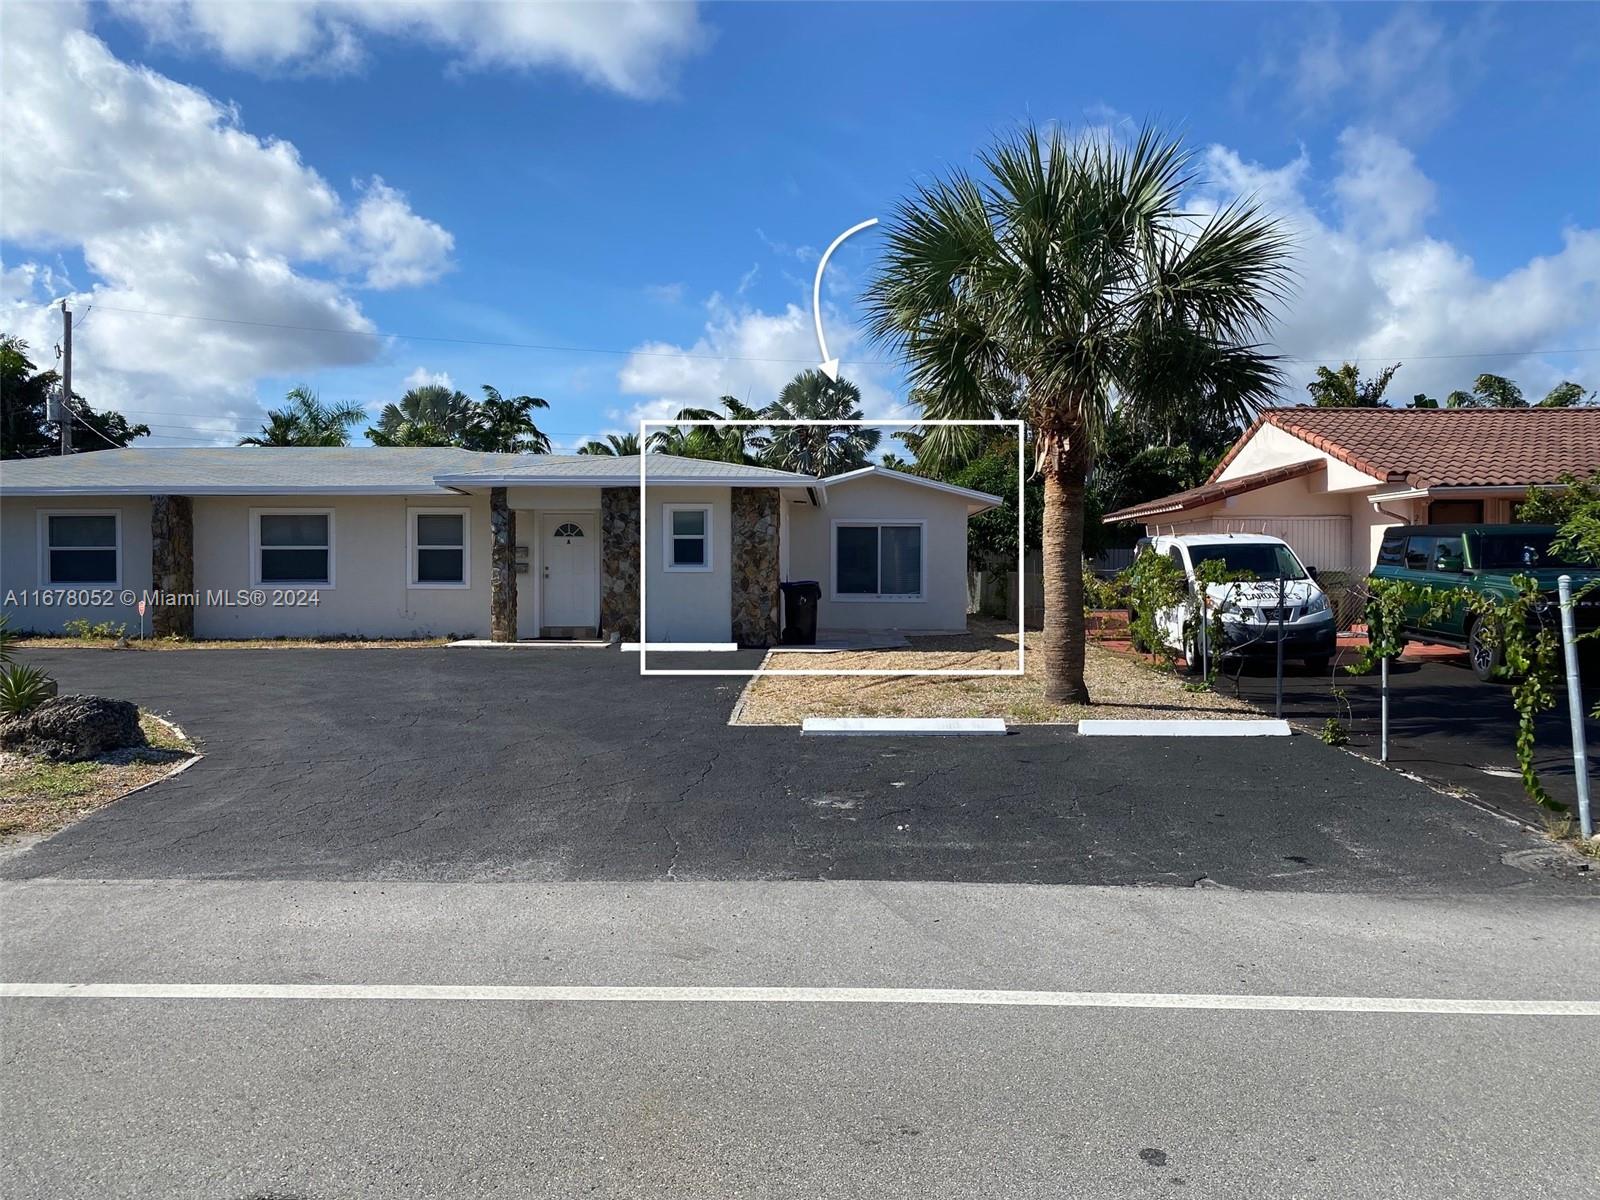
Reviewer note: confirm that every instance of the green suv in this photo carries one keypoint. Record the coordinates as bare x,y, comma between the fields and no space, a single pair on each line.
1479,558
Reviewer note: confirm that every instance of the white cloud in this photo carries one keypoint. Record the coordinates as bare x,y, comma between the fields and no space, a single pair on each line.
1383,195
630,47
1375,287
422,377
178,210
1407,74
747,353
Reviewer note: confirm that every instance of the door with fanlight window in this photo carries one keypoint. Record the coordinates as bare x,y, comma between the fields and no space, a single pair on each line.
569,574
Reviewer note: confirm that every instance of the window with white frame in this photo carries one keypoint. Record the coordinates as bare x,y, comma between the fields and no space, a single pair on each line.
877,560
294,546
439,548
687,528
81,547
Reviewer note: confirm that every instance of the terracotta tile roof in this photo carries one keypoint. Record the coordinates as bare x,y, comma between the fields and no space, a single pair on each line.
1210,493
1447,447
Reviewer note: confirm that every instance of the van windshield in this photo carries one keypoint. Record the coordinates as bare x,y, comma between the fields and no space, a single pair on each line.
1263,560
1498,551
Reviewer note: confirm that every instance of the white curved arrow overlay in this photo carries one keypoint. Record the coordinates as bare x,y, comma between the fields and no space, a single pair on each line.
830,366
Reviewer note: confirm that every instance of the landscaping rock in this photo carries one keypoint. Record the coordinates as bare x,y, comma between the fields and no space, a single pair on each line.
73,728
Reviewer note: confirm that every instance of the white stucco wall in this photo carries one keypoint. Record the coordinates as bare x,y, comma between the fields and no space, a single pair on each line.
688,606
369,596
943,606
1271,447
21,575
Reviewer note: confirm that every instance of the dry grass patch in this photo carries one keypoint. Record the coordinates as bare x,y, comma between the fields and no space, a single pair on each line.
38,642
1122,685
38,796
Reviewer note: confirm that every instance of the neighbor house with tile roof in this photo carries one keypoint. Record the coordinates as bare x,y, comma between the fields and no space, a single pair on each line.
1330,480
383,542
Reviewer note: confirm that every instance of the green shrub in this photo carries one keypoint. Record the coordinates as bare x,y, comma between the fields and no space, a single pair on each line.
98,630
23,689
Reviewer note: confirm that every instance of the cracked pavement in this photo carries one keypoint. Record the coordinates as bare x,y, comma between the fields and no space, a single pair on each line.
552,766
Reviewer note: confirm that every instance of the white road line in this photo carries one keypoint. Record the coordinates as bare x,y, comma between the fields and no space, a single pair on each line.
797,995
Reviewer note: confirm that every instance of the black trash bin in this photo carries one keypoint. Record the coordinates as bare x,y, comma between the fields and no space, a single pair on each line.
800,599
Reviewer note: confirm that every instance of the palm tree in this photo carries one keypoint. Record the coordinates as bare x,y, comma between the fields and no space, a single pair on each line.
721,443
1069,281
617,445
431,415
819,448
506,426
1345,388
307,421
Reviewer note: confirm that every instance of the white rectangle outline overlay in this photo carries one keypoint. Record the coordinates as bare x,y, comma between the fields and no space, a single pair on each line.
644,560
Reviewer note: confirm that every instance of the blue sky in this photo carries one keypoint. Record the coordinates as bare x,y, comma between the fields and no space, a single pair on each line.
659,180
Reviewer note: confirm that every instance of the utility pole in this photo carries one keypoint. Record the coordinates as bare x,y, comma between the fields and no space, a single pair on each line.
66,378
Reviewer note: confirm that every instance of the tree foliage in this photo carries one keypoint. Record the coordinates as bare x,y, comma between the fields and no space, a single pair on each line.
306,421
24,395
1345,388
1496,391
822,446
616,445
435,415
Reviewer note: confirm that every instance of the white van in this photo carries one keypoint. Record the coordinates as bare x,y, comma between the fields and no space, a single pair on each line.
1249,608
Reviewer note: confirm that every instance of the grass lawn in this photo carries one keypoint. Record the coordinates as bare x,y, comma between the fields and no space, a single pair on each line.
286,643
38,796
1122,685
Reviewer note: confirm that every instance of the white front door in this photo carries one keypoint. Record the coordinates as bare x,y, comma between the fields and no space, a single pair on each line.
569,567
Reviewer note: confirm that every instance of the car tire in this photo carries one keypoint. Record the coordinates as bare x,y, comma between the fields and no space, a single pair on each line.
1318,665
1483,655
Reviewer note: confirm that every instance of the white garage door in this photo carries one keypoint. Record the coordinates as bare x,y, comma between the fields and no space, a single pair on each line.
1321,542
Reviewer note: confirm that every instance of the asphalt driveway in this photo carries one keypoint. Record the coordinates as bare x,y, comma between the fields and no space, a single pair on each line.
1444,724
558,765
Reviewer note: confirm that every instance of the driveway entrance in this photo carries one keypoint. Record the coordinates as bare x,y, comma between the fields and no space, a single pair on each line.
564,764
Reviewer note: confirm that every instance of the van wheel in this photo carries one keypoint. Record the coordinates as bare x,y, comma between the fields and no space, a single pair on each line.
1318,665
1191,652
1483,652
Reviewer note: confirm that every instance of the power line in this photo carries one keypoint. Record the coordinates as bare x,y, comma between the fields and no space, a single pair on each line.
686,354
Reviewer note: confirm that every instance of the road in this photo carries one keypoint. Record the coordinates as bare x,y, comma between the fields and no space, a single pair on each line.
467,1098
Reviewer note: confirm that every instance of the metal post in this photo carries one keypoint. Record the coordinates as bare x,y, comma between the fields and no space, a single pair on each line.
66,378
1580,749
1277,710
1205,635
1383,709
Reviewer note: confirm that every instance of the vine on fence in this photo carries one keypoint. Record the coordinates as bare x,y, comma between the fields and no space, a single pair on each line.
1523,627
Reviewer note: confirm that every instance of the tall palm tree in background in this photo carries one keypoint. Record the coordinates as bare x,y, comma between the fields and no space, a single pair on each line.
430,415
506,426
617,445
1070,281
307,421
819,448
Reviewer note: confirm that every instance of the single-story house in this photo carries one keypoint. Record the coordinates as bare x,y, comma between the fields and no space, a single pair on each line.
379,542
1329,481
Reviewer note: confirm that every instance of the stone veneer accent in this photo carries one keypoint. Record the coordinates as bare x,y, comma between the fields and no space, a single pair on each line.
172,565
619,563
503,568
755,566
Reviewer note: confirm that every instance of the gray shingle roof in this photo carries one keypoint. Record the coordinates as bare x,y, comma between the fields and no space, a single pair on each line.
594,468
257,470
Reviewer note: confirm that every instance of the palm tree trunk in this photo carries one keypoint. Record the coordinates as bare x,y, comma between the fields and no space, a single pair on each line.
1063,584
